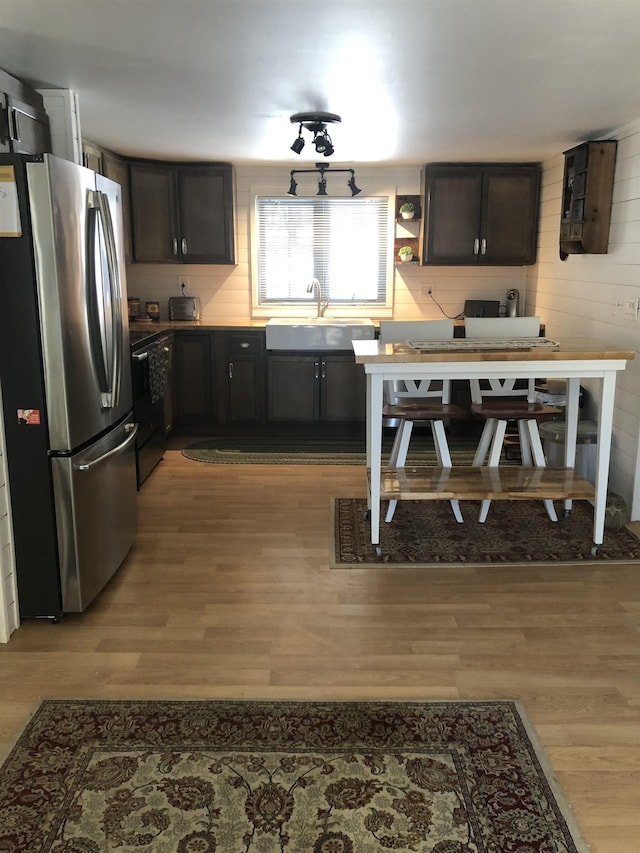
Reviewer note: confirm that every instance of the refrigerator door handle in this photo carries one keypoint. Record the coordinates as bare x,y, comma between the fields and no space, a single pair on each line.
132,429
105,300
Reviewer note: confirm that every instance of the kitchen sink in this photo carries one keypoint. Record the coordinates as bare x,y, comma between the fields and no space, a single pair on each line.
317,333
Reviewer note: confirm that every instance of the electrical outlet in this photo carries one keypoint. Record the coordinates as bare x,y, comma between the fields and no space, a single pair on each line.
428,291
616,306
630,309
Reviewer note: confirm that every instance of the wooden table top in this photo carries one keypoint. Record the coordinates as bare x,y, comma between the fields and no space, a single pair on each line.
569,349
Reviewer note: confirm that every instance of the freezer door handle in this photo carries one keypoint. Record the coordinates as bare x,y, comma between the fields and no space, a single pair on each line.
105,299
132,429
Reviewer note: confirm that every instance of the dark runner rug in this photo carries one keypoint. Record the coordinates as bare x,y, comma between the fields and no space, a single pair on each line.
294,450
198,777
425,533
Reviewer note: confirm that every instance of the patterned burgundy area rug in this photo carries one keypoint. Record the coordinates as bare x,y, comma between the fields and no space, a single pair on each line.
198,777
425,533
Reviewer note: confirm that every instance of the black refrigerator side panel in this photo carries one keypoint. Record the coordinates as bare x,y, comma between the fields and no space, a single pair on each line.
25,420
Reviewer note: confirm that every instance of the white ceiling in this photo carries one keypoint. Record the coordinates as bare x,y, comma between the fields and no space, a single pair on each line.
415,81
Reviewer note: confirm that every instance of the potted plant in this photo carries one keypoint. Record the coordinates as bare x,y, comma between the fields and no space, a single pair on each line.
407,210
405,253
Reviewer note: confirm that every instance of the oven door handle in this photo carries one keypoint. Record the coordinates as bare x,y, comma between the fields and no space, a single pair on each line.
140,356
132,429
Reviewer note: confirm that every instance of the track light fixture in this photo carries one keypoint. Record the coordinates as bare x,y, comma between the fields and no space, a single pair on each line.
316,123
321,169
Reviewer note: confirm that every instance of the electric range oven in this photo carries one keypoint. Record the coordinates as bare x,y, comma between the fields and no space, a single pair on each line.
148,375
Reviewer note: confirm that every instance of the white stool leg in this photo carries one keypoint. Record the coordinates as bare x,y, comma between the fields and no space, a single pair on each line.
525,442
494,460
444,459
540,461
485,441
398,456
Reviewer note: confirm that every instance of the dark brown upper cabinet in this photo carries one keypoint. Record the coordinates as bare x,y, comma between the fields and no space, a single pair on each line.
587,192
24,124
481,213
182,212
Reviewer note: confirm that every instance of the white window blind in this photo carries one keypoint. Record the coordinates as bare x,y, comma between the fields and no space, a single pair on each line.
343,242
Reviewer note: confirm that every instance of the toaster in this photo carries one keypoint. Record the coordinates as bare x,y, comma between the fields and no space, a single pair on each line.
184,308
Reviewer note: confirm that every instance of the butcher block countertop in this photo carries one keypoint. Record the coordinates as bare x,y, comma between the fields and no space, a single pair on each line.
461,350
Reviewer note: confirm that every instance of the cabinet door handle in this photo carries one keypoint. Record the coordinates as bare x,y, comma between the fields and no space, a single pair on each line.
324,370
483,247
230,370
14,130
316,370
476,246
245,345
184,245
175,246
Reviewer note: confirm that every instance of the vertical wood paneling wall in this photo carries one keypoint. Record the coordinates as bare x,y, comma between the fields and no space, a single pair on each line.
577,297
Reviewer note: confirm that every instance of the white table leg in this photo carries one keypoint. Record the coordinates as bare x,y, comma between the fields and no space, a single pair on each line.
374,452
573,402
605,429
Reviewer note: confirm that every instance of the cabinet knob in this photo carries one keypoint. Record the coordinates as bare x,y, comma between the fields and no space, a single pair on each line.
184,245
245,345
476,246
483,247
230,370
175,246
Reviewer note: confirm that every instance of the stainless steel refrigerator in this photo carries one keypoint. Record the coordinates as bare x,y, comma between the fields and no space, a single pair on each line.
65,381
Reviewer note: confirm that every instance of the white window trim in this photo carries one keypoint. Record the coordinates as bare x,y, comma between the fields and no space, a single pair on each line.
340,310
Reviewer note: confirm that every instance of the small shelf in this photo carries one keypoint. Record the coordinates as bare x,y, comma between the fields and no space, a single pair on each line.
405,199
509,482
407,232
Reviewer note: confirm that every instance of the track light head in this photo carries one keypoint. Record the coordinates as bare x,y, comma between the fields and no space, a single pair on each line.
322,186
352,185
329,149
298,144
322,142
293,186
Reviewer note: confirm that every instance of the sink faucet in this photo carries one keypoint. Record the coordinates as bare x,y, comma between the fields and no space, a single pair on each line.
314,288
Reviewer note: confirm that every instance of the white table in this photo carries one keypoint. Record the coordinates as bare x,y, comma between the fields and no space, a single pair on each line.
574,359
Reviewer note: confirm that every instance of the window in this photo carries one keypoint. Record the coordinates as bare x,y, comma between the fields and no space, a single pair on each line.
343,242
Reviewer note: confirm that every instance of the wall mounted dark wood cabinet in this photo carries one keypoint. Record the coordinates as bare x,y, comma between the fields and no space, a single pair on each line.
182,213
587,192
117,170
24,124
483,213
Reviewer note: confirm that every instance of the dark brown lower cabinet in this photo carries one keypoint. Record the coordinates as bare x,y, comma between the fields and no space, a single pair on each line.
240,377
315,387
193,382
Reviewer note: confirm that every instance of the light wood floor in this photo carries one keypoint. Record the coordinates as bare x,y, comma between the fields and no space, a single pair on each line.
228,593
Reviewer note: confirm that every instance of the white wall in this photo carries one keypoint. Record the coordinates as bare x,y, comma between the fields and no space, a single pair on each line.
576,296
